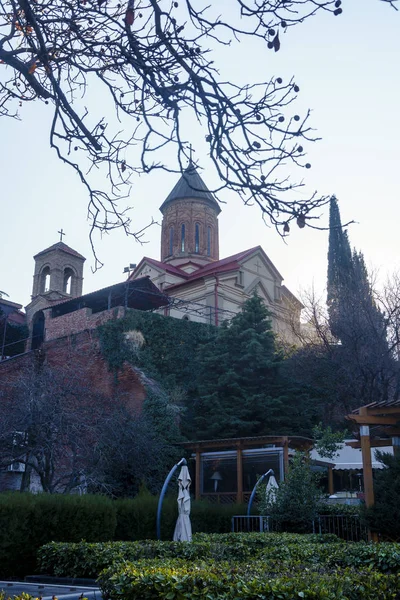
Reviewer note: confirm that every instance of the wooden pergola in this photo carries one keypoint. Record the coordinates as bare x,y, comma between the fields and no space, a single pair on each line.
240,444
384,419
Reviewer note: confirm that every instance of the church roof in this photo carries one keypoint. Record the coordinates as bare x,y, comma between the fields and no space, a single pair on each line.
63,247
191,186
141,294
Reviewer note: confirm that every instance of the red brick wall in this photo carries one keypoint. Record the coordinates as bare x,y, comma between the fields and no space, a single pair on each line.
81,349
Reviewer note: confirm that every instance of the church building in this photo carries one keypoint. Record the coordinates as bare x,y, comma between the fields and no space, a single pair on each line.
201,286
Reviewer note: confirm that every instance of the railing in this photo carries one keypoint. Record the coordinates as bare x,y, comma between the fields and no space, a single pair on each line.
347,527
225,497
242,523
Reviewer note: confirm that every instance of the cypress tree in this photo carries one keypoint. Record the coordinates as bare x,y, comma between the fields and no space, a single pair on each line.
340,268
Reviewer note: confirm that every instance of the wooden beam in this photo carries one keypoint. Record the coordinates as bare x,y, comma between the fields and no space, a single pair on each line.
375,443
367,419
390,410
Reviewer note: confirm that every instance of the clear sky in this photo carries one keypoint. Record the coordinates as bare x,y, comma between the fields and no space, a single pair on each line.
348,71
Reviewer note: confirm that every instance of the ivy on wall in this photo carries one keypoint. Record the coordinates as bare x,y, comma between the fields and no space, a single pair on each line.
164,348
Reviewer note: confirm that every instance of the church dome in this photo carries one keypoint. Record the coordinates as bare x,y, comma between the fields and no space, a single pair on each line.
190,222
191,186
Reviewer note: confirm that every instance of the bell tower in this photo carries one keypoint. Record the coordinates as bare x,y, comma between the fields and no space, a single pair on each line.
190,222
58,275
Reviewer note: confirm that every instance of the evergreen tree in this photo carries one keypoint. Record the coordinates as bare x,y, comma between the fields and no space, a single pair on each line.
339,267
362,357
238,377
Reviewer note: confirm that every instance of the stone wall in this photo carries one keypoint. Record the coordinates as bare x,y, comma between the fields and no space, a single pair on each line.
78,321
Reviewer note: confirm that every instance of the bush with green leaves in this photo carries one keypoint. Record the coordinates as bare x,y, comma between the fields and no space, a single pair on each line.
297,501
182,580
28,521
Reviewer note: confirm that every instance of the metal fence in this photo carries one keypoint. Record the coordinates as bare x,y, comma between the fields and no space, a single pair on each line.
347,527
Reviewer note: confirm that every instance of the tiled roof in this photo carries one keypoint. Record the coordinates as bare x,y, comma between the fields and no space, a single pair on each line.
63,247
229,263
161,265
191,185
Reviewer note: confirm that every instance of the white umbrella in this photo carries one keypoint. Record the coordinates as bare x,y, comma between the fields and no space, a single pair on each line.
183,527
271,488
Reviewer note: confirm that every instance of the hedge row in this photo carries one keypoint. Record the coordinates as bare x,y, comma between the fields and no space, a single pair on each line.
28,521
179,580
88,560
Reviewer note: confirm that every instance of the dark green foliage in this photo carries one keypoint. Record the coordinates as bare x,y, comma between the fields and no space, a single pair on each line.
15,338
297,499
168,354
88,560
339,267
362,361
210,381
28,521
384,516
238,377
181,579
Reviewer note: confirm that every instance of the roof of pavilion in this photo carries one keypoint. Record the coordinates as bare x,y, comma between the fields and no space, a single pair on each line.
297,442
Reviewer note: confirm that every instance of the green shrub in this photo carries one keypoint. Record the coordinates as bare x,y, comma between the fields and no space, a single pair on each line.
87,560
179,580
28,521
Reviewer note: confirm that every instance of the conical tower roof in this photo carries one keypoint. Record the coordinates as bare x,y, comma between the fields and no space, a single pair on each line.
191,187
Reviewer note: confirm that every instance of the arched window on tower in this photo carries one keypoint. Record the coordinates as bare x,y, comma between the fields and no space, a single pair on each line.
197,238
171,241
208,241
67,284
183,237
45,280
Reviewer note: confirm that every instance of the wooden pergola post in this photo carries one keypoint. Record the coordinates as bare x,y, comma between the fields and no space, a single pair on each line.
396,445
239,458
285,456
367,465
198,465
330,481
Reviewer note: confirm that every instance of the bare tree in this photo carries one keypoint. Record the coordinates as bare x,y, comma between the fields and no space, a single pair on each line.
149,63
50,422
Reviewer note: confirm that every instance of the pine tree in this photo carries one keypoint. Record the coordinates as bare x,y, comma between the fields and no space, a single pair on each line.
237,377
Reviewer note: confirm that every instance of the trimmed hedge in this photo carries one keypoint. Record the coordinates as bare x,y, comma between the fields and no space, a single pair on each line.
88,560
273,549
179,580
28,521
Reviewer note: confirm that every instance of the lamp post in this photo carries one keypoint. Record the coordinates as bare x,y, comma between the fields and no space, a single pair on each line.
253,493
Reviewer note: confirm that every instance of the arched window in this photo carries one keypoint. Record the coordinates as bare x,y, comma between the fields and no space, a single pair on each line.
171,240
45,280
67,284
197,238
183,238
208,241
